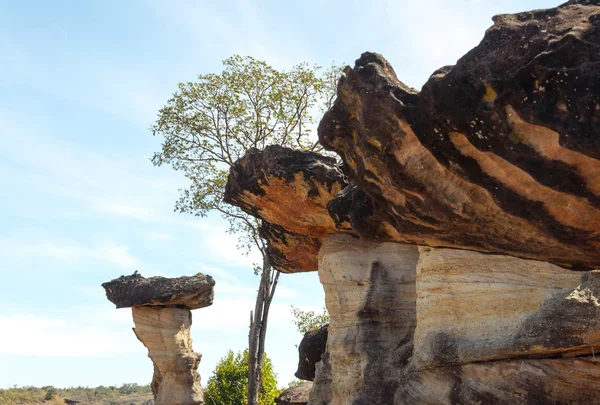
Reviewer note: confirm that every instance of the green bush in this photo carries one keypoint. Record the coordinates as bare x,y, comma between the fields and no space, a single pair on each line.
229,383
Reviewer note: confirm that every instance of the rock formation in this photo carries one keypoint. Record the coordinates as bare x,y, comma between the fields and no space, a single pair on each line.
311,348
459,250
162,318
296,395
264,183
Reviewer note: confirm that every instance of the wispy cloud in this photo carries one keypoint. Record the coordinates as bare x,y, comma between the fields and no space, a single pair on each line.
130,211
56,337
106,251
217,272
153,235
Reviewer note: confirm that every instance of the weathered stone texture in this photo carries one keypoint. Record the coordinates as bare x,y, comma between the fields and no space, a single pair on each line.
166,334
191,292
445,326
161,309
459,250
496,154
289,190
371,298
312,346
297,395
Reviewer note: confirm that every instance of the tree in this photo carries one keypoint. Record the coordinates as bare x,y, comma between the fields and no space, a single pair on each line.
229,383
307,321
210,123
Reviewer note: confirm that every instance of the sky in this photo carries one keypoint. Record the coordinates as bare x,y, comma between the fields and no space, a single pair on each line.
80,84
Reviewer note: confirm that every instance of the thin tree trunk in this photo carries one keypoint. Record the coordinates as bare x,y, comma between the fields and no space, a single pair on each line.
258,330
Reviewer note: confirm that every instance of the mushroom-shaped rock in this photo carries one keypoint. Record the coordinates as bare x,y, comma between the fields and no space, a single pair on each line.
161,309
296,395
498,154
135,291
311,348
460,266
289,190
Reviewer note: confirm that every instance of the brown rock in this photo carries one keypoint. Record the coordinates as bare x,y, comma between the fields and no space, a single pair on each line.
289,190
166,334
162,317
297,395
133,291
444,258
370,294
473,308
312,346
531,382
496,154
445,326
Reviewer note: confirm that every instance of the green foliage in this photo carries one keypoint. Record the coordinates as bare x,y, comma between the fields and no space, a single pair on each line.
229,383
295,382
124,395
307,321
210,123
50,392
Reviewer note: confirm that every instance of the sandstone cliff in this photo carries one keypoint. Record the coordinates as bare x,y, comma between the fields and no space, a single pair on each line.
458,239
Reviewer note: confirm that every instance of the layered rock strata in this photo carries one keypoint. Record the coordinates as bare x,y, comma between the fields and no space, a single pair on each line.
161,310
443,326
459,250
498,153
289,190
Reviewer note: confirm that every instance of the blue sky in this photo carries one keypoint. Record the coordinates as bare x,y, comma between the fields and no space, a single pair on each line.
80,83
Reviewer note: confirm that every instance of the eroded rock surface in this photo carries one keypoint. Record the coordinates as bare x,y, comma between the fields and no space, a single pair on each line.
289,190
166,334
460,249
311,348
297,395
474,308
191,292
496,154
443,326
161,309
370,294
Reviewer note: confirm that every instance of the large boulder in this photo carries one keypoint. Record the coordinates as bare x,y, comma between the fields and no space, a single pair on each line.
134,291
312,346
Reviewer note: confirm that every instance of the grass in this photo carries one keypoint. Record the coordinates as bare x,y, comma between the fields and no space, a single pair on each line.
127,394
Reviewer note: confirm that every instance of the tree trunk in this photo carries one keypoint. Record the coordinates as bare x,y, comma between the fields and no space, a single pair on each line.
258,329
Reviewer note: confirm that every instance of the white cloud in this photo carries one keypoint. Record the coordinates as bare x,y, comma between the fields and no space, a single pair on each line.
125,210
223,246
107,251
153,235
217,273
284,292
28,335
56,337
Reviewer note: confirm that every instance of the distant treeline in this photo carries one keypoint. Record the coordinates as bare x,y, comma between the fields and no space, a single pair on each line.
126,394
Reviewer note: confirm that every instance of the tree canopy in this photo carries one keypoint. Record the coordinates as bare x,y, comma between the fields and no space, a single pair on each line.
307,321
210,123
229,383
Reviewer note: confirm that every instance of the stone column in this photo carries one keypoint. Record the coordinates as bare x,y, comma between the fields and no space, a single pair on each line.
371,298
161,310
166,334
